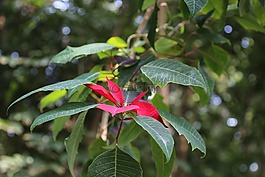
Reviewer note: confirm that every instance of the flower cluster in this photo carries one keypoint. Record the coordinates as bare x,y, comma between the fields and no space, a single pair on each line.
115,95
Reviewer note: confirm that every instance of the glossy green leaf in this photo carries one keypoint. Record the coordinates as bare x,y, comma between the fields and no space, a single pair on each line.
164,71
65,110
58,125
117,42
114,163
71,53
216,58
127,73
51,98
195,5
158,132
205,95
250,24
167,47
147,3
184,128
69,84
163,169
72,142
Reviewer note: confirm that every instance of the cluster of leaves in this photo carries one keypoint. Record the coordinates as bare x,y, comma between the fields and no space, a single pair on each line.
128,68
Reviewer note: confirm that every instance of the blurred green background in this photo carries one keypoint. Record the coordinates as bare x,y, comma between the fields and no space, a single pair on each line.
31,31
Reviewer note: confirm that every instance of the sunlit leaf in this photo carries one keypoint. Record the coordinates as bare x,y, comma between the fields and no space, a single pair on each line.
69,84
115,163
117,42
158,132
71,53
195,5
72,142
163,169
65,110
167,47
164,71
51,98
184,128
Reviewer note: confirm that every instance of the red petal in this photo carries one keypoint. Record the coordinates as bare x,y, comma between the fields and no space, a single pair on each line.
116,92
138,97
147,109
102,91
115,110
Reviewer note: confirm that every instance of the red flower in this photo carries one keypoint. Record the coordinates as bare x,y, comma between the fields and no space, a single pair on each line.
115,95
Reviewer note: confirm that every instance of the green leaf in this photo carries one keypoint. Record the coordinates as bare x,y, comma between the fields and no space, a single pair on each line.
205,95
114,163
117,42
216,58
158,132
164,71
245,7
65,110
127,73
51,98
72,142
262,2
167,46
58,125
195,5
250,24
147,4
69,84
163,169
96,148
157,101
184,128
216,6
211,36
71,53
200,20
129,133
152,23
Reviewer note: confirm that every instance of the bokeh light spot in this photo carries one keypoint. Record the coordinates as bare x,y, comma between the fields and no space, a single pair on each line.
254,167
231,122
228,29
